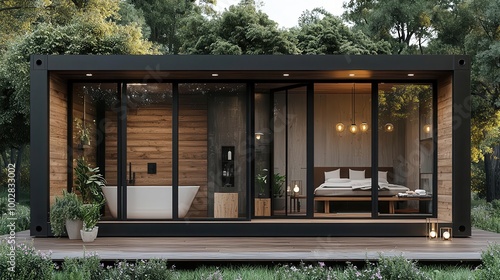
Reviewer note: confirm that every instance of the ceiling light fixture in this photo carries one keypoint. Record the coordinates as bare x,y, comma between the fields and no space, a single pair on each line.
351,75
411,75
286,75
88,74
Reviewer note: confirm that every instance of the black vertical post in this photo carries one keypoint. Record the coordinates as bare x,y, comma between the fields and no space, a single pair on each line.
175,151
101,137
435,147
39,146
310,151
374,94
122,153
250,190
69,139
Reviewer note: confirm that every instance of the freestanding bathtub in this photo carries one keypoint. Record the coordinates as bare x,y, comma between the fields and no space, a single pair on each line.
151,202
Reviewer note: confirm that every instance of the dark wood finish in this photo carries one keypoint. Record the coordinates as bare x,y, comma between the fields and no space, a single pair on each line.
319,173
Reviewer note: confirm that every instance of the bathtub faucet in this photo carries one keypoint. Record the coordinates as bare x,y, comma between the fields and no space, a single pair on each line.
131,175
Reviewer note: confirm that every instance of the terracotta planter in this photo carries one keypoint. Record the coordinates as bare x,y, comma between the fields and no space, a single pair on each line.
89,236
73,228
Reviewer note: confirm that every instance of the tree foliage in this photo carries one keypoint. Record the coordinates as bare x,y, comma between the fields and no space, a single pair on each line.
404,23
241,29
164,18
320,32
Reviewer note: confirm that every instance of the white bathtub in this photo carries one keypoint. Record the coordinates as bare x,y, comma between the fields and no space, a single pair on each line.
151,202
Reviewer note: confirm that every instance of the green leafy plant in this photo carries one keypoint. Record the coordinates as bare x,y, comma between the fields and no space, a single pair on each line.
67,207
278,182
89,182
91,214
82,131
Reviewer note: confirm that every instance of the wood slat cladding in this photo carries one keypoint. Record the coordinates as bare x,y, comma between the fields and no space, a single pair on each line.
193,150
58,137
444,136
149,140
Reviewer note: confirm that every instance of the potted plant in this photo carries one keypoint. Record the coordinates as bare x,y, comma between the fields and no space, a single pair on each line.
89,182
91,214
261,182
278,191
66,216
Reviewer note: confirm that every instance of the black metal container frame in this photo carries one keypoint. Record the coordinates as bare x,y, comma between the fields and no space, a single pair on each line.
458,67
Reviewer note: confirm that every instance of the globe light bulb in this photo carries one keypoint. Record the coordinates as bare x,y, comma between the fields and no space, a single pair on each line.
353,128
432,234
364,127
340,127
389,127
446,235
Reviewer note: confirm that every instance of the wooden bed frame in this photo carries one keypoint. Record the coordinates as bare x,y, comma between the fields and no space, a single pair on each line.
319,178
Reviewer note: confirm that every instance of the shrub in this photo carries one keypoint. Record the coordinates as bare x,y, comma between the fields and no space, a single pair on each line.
22,215
399,268
29,264
490,269
87,267
67,207
151,269
305,271
486,215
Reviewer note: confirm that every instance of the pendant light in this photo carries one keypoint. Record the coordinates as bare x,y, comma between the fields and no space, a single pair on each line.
353,128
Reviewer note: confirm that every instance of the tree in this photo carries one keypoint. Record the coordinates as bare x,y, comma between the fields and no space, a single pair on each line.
473,28
404,23
89,32
164,18
241,29
320,32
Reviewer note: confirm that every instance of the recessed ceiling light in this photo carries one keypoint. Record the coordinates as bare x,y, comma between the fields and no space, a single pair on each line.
88,74
286,75
215,75
411,75
351,74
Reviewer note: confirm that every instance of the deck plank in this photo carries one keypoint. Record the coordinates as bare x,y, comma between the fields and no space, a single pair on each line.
201,249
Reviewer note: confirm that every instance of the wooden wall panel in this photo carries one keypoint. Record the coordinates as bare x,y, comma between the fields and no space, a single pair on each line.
193,135
57,137
445,132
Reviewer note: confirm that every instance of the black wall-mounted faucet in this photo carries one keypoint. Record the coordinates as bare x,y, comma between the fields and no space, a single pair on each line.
131,175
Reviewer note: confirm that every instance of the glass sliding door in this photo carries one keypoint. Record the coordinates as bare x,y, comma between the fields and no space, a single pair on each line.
405,149
287,179
342,150
212,149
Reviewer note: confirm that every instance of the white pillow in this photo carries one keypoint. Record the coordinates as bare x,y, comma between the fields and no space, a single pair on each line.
338,180
334,174
382,177
356,175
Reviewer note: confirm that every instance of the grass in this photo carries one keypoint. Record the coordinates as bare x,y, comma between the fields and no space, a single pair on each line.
486,215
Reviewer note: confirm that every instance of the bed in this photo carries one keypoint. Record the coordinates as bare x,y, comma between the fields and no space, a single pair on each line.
353,184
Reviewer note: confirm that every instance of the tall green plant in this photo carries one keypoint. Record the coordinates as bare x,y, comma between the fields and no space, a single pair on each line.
91,214
89,182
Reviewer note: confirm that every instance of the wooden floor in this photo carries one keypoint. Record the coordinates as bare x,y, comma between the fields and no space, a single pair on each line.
245,249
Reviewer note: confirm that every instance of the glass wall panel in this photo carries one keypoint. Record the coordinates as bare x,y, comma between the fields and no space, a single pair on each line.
149,151
95,138
212,148
288,179
406,149
342,149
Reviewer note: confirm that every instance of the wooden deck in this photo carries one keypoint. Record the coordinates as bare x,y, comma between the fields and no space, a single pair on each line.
257,249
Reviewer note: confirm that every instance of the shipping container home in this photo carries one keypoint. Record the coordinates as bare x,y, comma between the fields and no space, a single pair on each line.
256,145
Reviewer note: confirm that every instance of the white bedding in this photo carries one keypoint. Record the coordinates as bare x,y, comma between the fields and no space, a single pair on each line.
331,185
